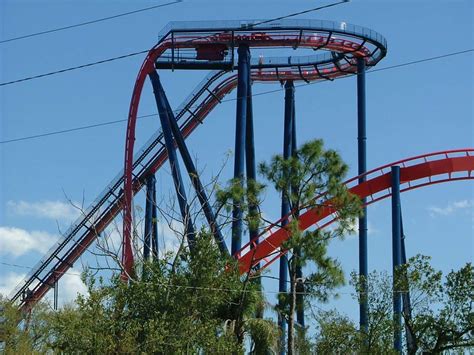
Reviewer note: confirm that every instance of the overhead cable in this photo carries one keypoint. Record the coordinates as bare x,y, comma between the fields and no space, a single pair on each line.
88,22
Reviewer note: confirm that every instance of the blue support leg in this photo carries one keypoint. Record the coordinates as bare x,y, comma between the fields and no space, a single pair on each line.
410,339
285,203
242,94
194,177
154,234
150,185
396,257
299,270
250,162
362,162
173,159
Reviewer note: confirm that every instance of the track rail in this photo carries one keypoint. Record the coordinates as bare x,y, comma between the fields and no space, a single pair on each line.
416,172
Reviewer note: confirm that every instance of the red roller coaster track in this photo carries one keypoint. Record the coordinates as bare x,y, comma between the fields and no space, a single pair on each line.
416,172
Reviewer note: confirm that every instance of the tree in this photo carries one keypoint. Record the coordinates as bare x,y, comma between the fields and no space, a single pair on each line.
194,306
337,334
192,303
22,333
311,171
441,317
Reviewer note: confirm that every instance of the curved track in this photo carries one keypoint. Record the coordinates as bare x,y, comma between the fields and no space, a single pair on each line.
416,172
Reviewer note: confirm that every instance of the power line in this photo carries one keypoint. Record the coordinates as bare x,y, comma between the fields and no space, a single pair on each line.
31,268
423,60
140,52
74,68
70,130
299,13
233,99
89,22
204,288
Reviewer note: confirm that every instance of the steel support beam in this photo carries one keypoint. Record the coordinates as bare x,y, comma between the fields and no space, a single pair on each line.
194,177
172,157
396,258
154,239
250,159
149,206
243,78
285,203
251,181
250,163
299,270
55,295
406,295
362,165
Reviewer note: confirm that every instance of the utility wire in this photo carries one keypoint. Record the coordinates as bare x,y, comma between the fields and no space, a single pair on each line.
31,268
89,22
298,13
423,60
71,130
233,99
140,52
74,68
204,288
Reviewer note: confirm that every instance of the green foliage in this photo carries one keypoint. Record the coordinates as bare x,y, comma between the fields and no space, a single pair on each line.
441,319
189,304
236,195
337,334
178,310
312,178
22,333
443,314
263,334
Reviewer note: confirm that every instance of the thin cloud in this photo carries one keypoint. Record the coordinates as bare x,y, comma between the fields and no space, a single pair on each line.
451,208
17,242
354,229
9,281
70,286
55,210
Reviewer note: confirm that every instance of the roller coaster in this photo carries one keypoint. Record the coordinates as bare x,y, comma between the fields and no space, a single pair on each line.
341,50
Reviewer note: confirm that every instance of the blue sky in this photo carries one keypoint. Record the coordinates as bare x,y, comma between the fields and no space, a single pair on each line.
411,110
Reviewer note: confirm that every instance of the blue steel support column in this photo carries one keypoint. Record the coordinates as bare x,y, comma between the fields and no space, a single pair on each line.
194,177
154,234
250,160
285,205
362,160
293,129
150,185
173,159
251,178
406,295
242,93
299,270
396,257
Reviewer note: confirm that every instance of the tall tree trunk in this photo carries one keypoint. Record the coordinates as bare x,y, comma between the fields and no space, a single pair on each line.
291,316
